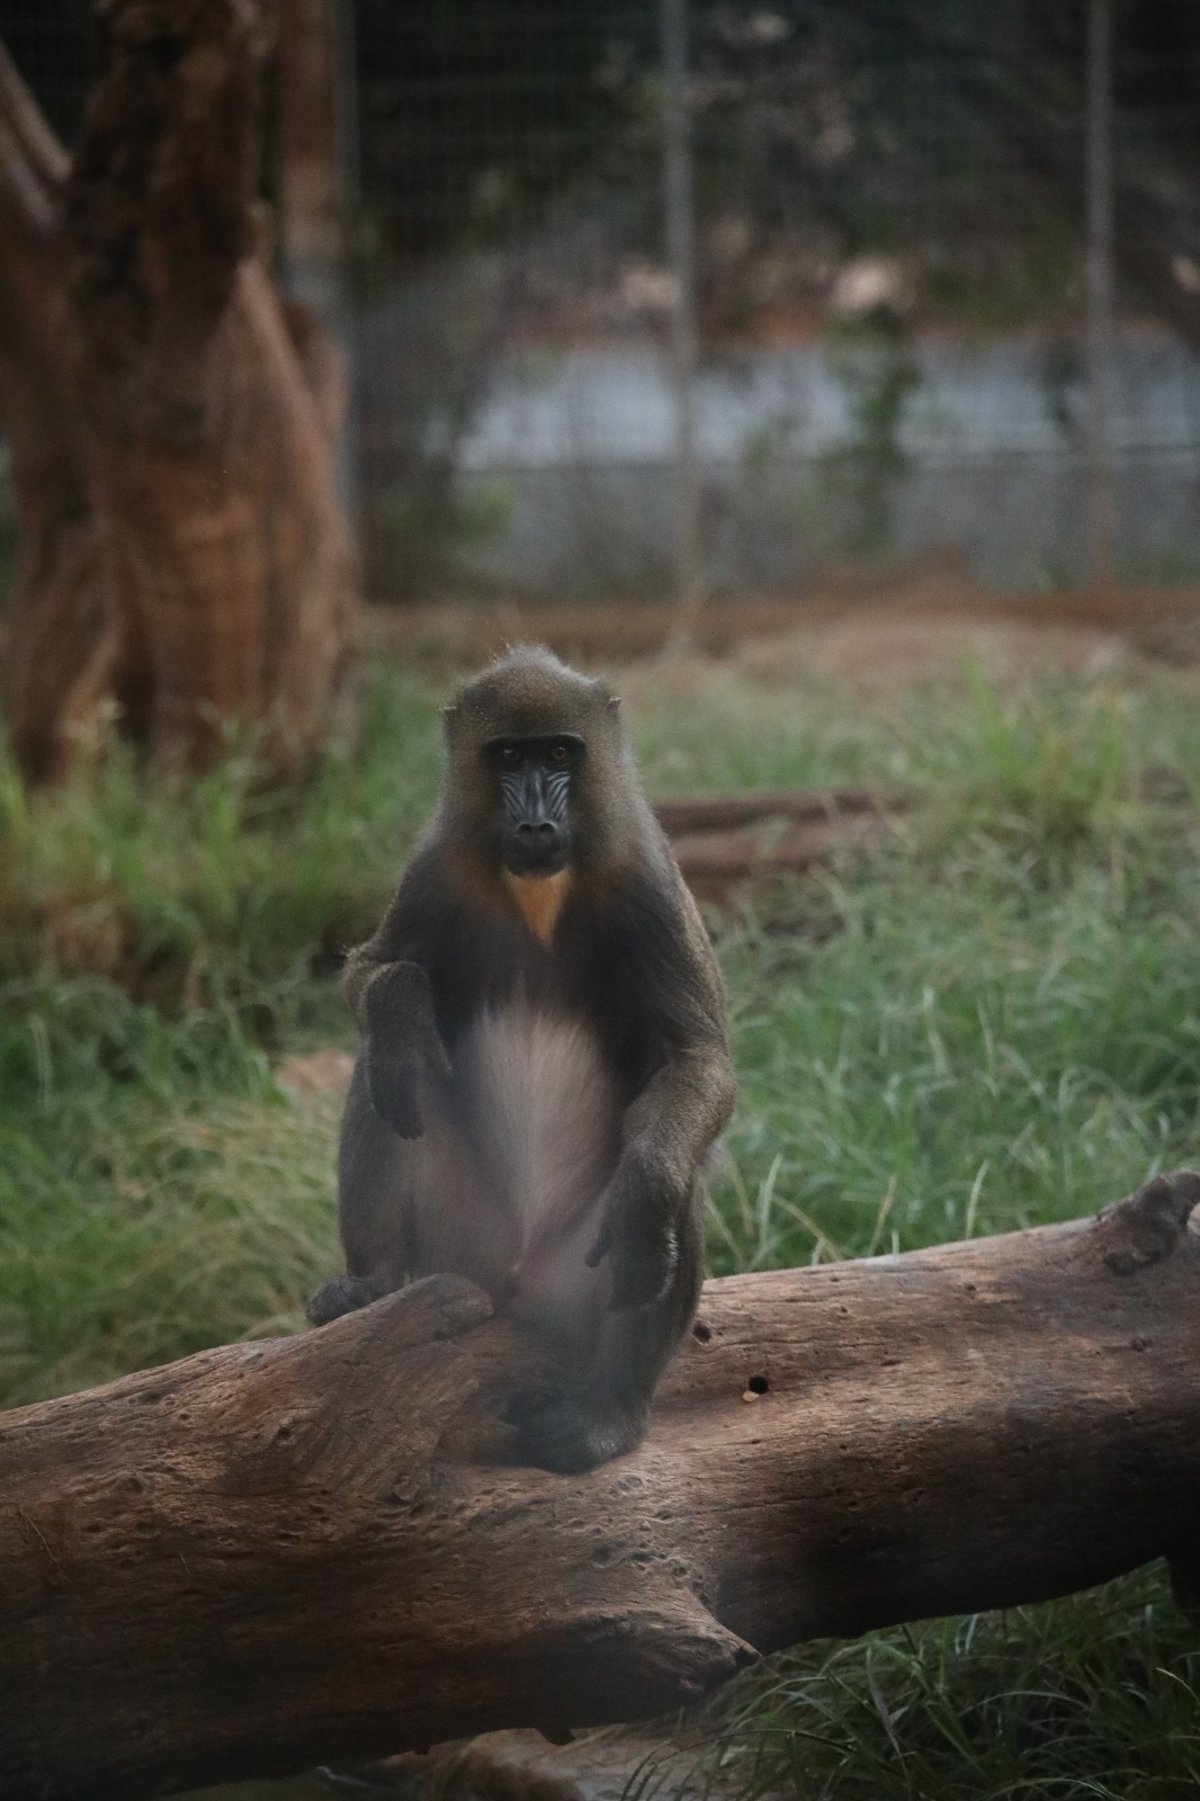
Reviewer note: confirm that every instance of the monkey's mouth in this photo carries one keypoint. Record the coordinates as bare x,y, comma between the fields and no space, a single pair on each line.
530,862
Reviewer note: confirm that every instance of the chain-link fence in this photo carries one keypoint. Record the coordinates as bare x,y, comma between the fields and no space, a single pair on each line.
701,296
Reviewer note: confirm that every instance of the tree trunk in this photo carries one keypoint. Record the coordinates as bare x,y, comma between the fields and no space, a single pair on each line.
183,555
275,1554
313,129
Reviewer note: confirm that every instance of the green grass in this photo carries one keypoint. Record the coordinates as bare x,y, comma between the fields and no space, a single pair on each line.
994,1023
958,1058
179,889
1094,1696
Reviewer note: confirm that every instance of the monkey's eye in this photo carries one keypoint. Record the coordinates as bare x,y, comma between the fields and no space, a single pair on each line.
509,754
559,752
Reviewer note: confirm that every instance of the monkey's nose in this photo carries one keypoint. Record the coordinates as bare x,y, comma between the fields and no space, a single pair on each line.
542,832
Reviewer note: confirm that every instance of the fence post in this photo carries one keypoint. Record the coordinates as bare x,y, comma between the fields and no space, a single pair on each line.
679,204
1101,368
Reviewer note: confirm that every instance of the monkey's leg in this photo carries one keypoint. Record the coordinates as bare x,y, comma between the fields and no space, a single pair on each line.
598,1412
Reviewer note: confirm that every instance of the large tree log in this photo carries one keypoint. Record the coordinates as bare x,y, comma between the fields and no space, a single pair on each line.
682,816
182,549
274,1554
681,1756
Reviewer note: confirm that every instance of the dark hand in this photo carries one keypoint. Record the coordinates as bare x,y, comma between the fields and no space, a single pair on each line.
402,1044
393,1087
639,1233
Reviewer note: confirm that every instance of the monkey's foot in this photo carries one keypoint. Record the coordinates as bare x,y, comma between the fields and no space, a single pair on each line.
343,1294
571,1433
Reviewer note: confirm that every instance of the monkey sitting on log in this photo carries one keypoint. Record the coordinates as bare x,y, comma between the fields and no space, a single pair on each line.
545,1061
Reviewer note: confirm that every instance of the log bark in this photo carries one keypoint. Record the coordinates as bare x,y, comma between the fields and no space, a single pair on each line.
727,843
183,555
691,814
277,1554
675,1757
720,866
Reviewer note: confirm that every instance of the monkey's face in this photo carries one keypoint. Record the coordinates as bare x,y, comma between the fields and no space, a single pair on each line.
537,773
532,777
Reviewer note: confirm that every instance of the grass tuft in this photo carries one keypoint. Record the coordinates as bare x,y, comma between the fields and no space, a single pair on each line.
1094,1696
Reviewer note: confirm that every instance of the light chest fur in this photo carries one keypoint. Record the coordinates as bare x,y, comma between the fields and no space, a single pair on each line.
519,1147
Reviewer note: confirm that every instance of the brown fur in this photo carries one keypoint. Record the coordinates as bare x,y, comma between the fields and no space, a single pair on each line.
544,1069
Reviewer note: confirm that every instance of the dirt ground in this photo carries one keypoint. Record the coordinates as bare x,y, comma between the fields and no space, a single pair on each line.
867,633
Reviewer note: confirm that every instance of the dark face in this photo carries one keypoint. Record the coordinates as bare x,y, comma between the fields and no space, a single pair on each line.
533,777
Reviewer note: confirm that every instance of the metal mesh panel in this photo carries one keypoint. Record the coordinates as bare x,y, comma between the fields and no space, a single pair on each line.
889,223
887,207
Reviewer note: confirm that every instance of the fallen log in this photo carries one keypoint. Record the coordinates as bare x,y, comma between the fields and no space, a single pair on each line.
685,815
675,1757
723,842
277,1554
718,866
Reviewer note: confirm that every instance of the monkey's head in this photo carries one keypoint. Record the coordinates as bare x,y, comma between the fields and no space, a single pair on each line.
537,763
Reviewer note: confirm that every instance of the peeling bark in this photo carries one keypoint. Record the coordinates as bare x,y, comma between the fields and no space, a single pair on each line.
273,1555
183,555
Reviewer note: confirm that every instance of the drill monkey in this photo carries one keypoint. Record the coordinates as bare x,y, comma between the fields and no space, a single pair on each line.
545,1060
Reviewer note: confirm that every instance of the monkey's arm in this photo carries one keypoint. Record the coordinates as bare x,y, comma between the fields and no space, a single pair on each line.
393,1003
672,1124
669,1131
685,1098
684,1101
387,984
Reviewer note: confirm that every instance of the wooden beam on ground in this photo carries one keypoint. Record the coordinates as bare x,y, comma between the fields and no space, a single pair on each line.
725,842
684,815
311,1549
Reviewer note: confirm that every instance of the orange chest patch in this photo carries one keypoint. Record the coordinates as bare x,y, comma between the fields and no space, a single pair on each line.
540,899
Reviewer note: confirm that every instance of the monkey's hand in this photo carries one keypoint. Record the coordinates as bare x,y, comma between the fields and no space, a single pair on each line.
401,1045
639,1231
